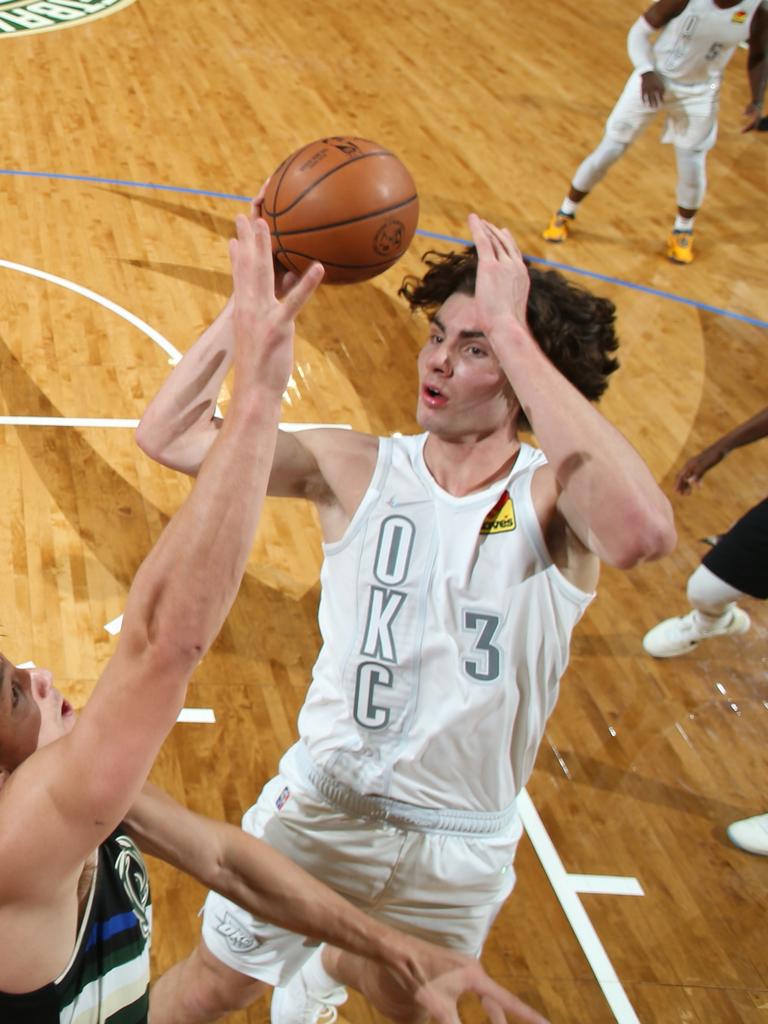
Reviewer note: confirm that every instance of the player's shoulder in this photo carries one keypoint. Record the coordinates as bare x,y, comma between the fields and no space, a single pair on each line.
663,11
344,461
330,443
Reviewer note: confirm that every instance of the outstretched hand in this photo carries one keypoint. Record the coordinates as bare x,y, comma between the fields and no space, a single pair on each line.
692,472
433,979
264,325
753,113
440,997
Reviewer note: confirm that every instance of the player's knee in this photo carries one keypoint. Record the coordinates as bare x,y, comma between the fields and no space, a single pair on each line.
215,989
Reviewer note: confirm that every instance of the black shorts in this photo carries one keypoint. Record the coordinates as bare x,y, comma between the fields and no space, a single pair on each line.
740,557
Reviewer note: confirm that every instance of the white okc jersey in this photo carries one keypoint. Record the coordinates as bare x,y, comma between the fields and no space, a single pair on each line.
446,630
697,44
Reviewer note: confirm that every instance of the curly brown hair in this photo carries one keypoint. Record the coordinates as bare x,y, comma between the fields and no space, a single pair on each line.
574,328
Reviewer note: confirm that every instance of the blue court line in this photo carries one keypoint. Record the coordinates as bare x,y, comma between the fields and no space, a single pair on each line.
127,184
656,292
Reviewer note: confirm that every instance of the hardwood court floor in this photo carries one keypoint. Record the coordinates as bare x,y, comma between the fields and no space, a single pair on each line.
491,105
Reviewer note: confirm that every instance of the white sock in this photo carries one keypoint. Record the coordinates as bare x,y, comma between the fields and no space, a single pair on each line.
317,979
568,207
708,621
683,223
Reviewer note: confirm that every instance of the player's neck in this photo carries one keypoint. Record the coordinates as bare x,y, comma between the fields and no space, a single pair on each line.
463,466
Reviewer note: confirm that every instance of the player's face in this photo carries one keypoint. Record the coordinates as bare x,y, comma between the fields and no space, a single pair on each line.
32,712
463,391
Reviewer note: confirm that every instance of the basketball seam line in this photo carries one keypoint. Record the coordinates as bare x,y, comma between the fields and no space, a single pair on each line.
342,223
343,266
363,156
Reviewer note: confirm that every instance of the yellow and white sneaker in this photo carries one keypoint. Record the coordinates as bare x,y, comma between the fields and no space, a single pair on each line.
558,228
680,247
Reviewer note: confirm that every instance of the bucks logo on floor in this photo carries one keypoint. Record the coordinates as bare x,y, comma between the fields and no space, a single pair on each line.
46,15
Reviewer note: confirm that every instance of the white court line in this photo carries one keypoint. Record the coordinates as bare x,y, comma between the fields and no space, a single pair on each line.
63,421
173,353
204,715
606,885
577,916
84,421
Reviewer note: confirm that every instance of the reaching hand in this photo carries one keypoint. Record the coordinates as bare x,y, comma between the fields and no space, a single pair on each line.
696,467
502,283
434,979
752,114
264,326
440,997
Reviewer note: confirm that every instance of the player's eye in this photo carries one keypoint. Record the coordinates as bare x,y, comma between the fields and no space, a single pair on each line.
15,694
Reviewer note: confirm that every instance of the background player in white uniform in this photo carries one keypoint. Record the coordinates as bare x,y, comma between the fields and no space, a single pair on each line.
680,74
457,563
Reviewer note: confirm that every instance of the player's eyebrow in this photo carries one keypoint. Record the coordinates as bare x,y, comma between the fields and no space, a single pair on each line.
462,334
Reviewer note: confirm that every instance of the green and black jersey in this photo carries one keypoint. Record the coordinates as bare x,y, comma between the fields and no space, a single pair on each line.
107,978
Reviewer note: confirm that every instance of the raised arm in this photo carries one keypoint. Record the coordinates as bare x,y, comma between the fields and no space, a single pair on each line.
179,425
68,796
603,490
753,429
269,885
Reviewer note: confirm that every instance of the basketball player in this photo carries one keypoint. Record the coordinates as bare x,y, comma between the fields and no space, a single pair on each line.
75,910
680,74
457,563
736,566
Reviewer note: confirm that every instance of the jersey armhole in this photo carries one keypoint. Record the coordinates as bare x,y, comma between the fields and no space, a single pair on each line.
380,472
520,492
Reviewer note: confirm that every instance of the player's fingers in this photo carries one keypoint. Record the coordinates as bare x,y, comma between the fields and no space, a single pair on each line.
506,241
480,236
513,1009
496,239
232,246
258,200
264,270
303,289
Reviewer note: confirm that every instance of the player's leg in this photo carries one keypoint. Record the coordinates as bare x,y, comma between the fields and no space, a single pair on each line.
201,989
714,613
731,570
626,121
691,188
691,127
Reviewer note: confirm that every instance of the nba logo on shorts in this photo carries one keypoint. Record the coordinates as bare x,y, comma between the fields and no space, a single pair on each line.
283,798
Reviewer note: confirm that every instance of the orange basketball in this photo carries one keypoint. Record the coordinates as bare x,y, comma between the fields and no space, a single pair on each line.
347,202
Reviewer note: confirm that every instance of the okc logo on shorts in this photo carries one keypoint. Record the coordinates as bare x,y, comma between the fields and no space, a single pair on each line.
238,937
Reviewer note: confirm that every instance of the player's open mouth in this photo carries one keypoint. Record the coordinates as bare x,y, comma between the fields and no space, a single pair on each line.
66,709
433,396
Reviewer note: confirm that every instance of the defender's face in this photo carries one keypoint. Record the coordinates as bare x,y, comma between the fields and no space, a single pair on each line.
463,392
32,713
